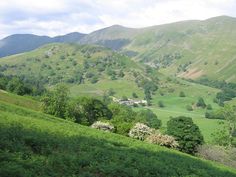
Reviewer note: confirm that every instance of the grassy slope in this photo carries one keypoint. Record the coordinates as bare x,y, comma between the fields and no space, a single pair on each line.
33,64
197,41
19,100
41,145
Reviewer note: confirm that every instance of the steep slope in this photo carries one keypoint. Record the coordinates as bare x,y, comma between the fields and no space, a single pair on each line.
189,49
36,144
19,43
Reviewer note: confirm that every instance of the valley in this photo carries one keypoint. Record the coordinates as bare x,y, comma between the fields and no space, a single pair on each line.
180,77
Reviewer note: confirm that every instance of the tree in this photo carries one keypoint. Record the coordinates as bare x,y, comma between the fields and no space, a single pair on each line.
161,104
15,85
187,134
3,82
149,118
147,97
209,107
189,108
229,114
182,94
92,110
134,95
56,102
201,103
123,118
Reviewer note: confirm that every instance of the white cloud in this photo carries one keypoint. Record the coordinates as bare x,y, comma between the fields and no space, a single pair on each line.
53,17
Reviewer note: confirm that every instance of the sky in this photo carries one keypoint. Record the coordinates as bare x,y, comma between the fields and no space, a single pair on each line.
58,17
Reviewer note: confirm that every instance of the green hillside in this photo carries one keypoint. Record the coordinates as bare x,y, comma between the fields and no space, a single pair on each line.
74,65
36,144
95,71
189,49
19,100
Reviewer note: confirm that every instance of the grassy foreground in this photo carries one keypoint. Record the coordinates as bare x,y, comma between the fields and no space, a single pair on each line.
36,144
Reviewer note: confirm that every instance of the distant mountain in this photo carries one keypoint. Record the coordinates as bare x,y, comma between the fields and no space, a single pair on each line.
190,49
69,38
115,37
19,43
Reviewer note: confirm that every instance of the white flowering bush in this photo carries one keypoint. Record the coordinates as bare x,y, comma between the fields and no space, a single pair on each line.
140,131
103,126
163,140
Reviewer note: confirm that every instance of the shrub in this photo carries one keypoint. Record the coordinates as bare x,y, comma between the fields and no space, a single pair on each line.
213,115
186,133
140,131
134,95
209,107
124,98
94,79
218,154
201,103
103,126
162,140
111,92
161,104
182,94
189,108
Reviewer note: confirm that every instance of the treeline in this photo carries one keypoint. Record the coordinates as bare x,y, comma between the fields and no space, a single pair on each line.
88,110
228,90
21,86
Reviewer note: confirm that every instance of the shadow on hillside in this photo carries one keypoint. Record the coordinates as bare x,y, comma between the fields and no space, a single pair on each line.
25,152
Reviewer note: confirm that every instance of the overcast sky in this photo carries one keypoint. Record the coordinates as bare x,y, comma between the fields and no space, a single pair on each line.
54,17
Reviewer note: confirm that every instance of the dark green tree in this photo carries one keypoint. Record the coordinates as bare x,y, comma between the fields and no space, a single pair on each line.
134,95
91,110
201,102
182,94
186,133
161,104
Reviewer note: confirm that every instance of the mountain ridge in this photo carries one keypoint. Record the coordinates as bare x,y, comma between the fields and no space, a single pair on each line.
190,49
18,43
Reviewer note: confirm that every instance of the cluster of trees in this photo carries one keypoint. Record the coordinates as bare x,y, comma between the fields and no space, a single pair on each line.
183,67
112,65
21,85
87,110
228,89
